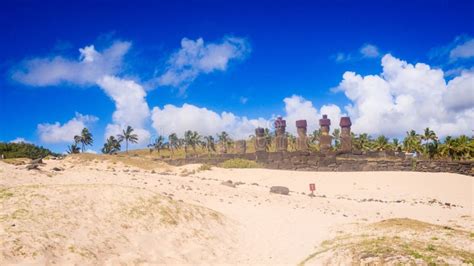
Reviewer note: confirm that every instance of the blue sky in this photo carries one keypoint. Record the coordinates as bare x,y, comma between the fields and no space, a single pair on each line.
285,58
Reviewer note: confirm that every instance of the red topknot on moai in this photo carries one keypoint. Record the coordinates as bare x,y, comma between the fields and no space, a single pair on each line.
325,139
346,138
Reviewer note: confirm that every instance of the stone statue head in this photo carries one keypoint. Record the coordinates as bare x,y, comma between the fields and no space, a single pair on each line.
259,132
301,127
325,122
280,126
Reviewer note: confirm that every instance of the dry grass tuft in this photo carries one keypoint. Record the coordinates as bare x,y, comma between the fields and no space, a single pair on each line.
143,162
239,163
398,241
204,167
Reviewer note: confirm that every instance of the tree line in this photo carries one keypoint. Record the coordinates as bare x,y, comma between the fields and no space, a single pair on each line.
24,150
426,144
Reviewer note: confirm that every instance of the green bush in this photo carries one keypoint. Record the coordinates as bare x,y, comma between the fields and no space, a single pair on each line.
239,163
24,150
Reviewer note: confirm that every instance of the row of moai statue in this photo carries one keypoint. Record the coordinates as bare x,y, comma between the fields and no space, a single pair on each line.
302,141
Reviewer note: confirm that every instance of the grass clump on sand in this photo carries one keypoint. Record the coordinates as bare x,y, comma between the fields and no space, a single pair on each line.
397,241
239,163
143,162
205,167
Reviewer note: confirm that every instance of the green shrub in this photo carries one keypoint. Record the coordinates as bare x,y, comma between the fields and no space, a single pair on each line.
239,163
24,150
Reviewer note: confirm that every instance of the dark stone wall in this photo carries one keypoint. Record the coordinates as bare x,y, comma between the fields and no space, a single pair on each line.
311,161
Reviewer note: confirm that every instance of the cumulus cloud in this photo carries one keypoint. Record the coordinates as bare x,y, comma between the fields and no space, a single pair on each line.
196,57
297,108
460,92
57,133
131,108
20,140
406,96
369,50
463,50
174,119
86,70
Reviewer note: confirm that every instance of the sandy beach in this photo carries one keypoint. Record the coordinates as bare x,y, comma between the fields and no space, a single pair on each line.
98,210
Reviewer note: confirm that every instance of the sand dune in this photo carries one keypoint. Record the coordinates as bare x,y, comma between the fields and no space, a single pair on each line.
110,211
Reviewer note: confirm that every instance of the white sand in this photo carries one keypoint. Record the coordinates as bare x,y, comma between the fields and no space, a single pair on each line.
256,227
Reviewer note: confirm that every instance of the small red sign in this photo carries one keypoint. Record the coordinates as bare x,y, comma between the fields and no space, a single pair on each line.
312,187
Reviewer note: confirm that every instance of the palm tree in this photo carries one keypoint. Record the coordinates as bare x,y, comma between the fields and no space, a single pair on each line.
430,141
396,145
85,138
336,134
209,143
158,144
73,148
111,146
128,136
269,138
412,142
191,139
363,142
381,143
429,135
464,147
448,148
225,140
291,141
432,149
173,142
314,137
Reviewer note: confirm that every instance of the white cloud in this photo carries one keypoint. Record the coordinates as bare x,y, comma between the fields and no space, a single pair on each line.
91,66
369,50
20,140
297,108
90,151
464,50
196,57
131,108
460,92
57,133
406,96
366,51
174,119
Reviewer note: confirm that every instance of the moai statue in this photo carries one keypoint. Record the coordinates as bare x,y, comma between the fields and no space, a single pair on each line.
301,140
325,139
281,140
260,140
346,138
240,146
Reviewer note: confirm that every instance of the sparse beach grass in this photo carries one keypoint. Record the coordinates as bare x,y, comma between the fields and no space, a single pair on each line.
403,240
239,163
118,214
143,162
205,167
